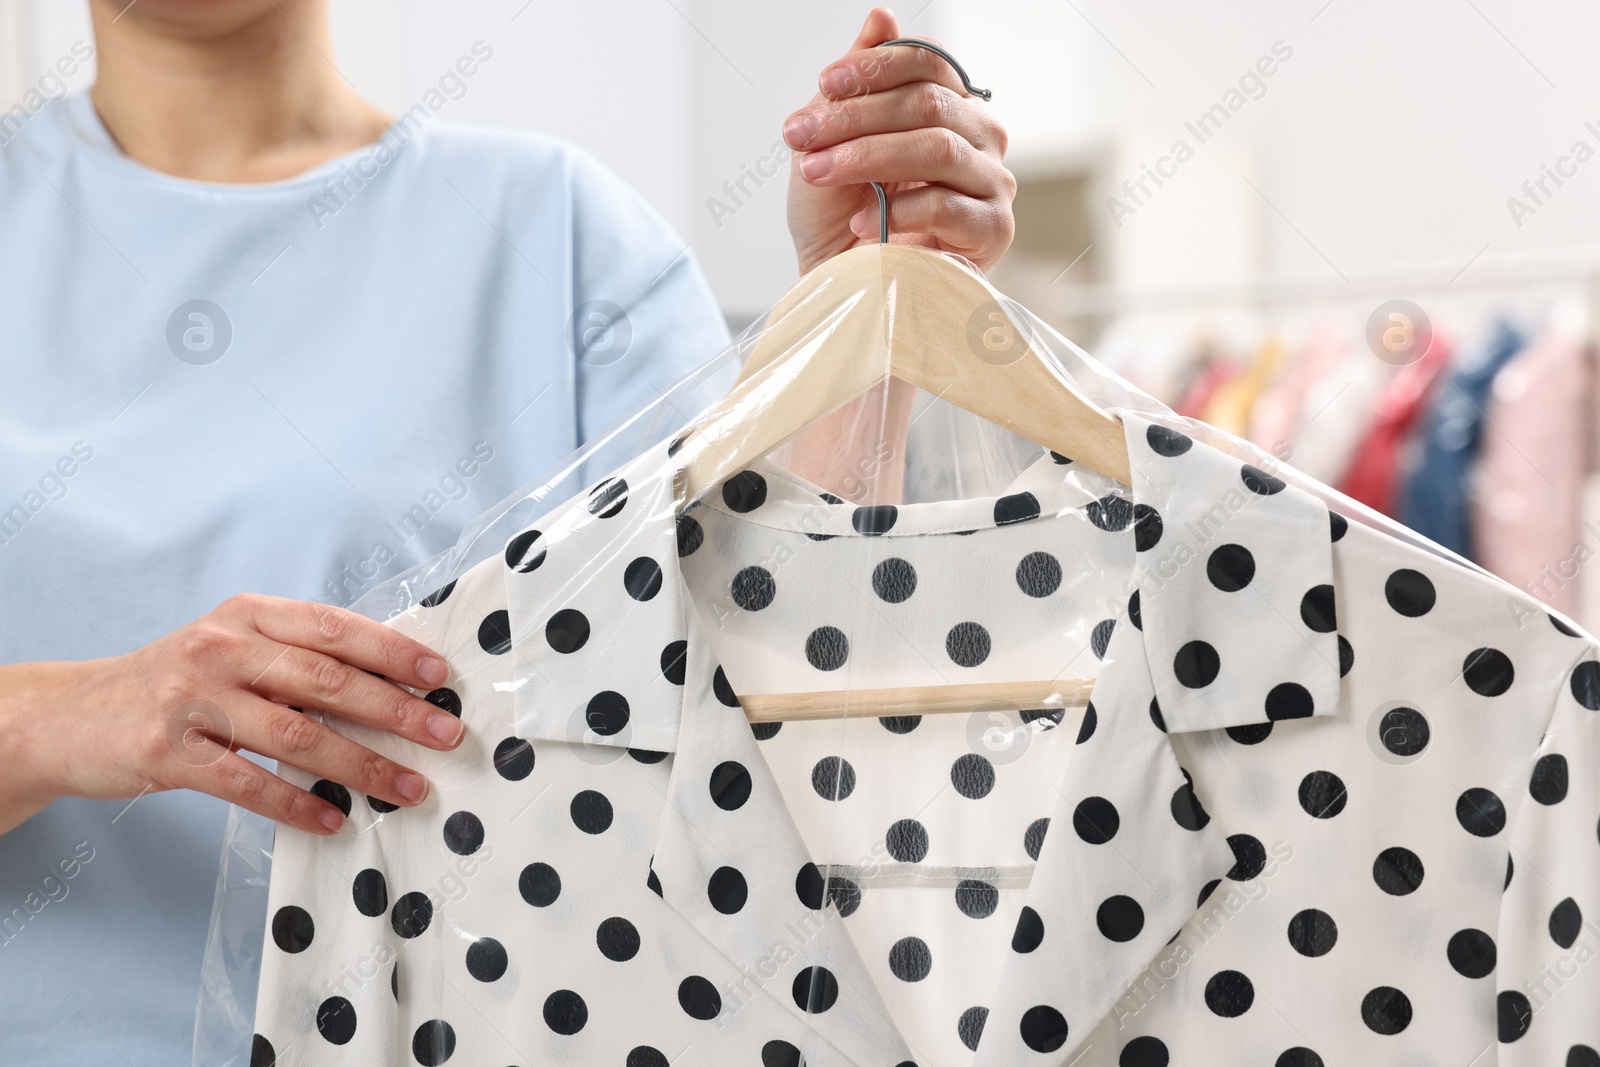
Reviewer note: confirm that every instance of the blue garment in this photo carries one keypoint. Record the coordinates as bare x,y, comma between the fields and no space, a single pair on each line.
1434,499
393,355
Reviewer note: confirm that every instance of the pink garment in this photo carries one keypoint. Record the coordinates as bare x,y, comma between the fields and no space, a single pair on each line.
1526,500
1277,412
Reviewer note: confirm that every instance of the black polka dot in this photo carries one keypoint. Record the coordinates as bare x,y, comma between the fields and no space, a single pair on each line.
1096,820
370,892
517,555
1471,953
744,492
463,833
591,812
1409,592
1404,731
617,939
874,519
1251,733
1312,932
382,807
1119,918
607,713
1299,1056
645,1056
486,959
910,960
1338,526
844,895
1086,727
1513,1014
1167,442
1259,481
433,1043
1038,574
1206,891
1249,857
1044,1029
1229,994
1144,1051
723,691
815,990
1135,614
1196,664
967,644
1322,794
778,1053
292,928
411,915
1480,812
1289,700
674,661
513,759
1577,1055
607,499
1016,507
1397,871
1110,513
698,998
1147,527
1033,837
753,588
894,580
438,596
494,633
567,630
1057,457
811,886
1386,1010
1100,637
652,881
336,1020
972,776
1488,672
977,900
1317,609
900,724
565,1013
539,884
970,1026
765,731
690,535
446,699
262,1054
1566,922
1030,931
1549,782
1230,567
1186,808
1510,868
827,648
907,841
833,778
642,579
727,890
730,785
646,756
1347,656
1586,684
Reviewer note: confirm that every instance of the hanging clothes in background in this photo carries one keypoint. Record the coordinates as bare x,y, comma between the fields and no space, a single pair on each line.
1374,473
1434,499
1276,415
1526,492
1229,406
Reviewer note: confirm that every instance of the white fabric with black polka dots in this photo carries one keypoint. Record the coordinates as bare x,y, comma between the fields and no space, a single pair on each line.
1334,801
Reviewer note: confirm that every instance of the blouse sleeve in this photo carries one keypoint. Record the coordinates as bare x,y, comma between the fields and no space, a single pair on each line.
1547,977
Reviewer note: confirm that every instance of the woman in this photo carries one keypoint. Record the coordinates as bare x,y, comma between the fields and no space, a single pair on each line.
263,344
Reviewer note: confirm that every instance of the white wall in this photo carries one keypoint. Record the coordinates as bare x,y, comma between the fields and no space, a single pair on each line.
1394,133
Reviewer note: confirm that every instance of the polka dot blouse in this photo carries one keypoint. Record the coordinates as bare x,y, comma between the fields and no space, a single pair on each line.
1334,801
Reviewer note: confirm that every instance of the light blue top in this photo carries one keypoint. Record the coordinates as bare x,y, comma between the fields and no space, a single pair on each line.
385,351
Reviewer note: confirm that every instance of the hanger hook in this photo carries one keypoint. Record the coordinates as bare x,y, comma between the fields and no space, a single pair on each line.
966,83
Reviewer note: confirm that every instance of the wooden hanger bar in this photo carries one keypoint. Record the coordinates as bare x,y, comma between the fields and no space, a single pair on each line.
917,700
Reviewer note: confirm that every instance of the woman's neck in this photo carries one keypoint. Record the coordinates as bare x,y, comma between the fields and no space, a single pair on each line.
254,98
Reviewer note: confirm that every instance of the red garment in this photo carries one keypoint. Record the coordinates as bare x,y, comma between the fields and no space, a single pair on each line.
1374,473
1198,391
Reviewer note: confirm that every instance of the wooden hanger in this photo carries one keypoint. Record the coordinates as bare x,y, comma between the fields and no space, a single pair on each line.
908,312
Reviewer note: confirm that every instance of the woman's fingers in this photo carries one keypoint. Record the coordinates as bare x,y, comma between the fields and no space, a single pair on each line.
978,229
301,741
304,678
872,70
343,635
903,108
933,155
233,778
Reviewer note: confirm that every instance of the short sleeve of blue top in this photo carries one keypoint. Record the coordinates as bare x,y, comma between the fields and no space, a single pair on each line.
207,389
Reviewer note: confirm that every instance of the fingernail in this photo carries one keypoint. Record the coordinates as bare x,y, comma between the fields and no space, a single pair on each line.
800,130
445,728
433,671
858,223
840,81
817,164
331,818
411,786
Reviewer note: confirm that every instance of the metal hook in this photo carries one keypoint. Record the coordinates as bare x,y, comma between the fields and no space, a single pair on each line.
966,83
